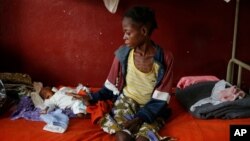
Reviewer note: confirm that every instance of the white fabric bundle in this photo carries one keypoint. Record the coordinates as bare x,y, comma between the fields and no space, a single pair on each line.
111,5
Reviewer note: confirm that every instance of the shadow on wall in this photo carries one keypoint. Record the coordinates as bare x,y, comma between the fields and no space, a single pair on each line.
46,77
10,56
12,43
10,60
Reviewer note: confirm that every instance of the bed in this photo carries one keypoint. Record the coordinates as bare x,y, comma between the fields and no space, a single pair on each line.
182,125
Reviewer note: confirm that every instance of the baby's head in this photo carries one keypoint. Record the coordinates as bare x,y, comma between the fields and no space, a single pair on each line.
46,92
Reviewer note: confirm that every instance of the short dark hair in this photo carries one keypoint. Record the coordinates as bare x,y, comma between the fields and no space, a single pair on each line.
43,89
142,15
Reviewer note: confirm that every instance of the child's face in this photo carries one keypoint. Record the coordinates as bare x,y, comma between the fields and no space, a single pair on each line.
134,35
46,93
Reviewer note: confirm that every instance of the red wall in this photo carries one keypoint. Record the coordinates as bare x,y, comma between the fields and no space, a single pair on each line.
71,41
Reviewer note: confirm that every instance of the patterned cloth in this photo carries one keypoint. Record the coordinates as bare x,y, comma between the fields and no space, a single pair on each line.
16,78
124,109
28,111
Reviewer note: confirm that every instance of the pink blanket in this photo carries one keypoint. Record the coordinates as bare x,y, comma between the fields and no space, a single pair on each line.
189,80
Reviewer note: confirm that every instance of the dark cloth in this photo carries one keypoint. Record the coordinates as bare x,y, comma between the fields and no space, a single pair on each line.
240,108
7,100
193,93
12,87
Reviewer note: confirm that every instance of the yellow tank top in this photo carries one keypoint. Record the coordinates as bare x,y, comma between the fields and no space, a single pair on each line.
139,85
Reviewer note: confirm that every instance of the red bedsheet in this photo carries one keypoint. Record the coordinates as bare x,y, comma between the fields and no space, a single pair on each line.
181,125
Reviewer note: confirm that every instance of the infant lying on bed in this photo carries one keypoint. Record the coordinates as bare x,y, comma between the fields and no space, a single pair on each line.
62,99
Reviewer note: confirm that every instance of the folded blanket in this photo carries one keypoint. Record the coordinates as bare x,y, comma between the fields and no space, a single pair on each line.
56,121
239,108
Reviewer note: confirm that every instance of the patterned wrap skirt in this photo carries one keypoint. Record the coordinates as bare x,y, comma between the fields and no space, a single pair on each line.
125,109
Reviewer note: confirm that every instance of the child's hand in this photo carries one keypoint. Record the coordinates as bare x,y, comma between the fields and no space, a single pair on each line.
71,94
84,98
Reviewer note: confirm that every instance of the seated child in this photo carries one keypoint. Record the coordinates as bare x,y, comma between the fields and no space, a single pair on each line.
54,98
